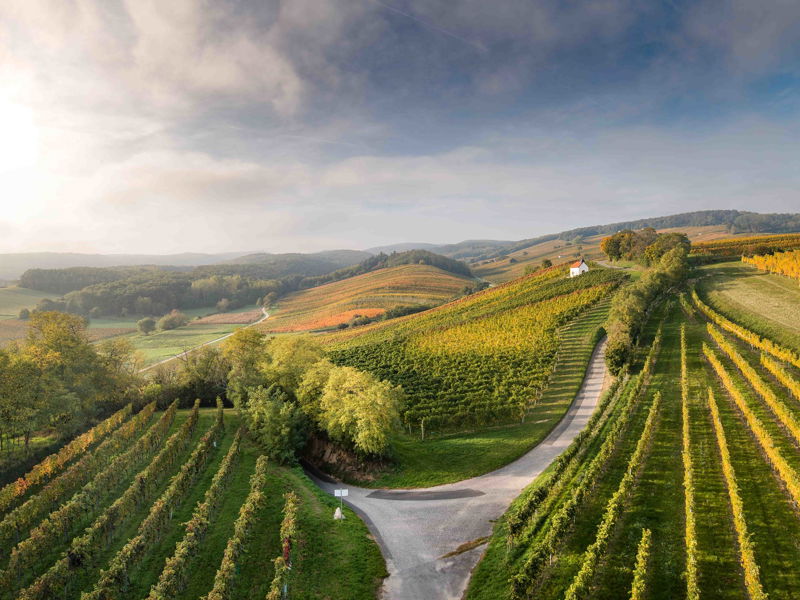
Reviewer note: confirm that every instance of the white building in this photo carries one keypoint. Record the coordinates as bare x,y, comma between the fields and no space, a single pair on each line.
578,268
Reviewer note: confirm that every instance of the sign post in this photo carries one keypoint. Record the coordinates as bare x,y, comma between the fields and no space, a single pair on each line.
340,494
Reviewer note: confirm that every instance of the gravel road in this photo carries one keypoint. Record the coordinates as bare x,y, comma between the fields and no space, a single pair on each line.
417,527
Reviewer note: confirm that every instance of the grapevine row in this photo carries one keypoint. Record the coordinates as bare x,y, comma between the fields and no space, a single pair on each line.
779,464
86,548
581,584
225,578
562,468
781,375
115,578
748,560
780,410
692,589
639,585
175,574
782,263
537,554
85,502
55,462
25,516
288,533
550,488
746,335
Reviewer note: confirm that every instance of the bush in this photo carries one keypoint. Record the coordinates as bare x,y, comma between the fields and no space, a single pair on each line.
146,325
173,320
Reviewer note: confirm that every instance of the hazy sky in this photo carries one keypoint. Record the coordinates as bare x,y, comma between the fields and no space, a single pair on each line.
300,125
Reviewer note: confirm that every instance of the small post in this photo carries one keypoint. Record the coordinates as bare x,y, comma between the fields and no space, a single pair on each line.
338,515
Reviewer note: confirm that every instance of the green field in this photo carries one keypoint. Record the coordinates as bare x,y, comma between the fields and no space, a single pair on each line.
335,560
162,345
13,299
766,303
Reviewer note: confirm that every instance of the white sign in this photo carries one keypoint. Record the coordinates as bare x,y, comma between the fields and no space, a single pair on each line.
340,493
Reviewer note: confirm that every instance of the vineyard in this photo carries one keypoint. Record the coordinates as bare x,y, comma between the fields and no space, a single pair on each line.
781,263
175,504
484,358
685,483
369,295
738,246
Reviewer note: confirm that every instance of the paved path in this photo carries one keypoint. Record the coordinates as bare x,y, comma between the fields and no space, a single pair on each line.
416,528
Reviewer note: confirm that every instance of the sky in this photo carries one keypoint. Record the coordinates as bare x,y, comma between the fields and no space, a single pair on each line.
301,125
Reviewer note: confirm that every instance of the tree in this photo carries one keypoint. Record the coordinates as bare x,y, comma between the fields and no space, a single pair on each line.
223,305
358,409
312,386
276,422
172,320
547,263
288,358
243,351
146,326
203,374
24,314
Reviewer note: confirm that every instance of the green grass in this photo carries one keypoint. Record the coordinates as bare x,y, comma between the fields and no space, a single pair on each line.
765,303
448,458
13,299
166,344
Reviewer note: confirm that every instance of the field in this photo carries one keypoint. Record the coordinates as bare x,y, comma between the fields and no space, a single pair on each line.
370,294
482,359
168,526
559,251
230,318
13,299
699,449
767,304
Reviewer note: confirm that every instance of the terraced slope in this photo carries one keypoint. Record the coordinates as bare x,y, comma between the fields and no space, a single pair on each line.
368,295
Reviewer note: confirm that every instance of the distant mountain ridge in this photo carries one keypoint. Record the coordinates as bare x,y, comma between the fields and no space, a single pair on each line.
13,265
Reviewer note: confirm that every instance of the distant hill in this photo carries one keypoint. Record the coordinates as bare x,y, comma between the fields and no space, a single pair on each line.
465,250
14,265
366,295
328,260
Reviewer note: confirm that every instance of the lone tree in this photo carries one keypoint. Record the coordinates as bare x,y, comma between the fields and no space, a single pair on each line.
24,314
146,325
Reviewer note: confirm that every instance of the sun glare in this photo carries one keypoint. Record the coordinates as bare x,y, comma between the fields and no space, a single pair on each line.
19,144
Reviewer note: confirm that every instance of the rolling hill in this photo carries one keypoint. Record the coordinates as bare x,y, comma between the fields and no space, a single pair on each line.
369,294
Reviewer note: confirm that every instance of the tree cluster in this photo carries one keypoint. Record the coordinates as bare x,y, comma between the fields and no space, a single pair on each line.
629,308
645,246
56,379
